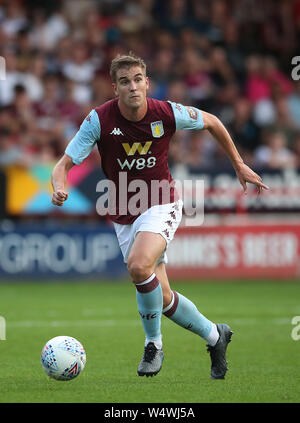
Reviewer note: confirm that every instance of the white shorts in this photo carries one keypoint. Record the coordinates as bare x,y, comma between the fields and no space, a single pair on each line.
161,219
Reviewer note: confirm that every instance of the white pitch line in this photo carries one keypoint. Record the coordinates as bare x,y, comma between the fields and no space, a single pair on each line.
107,323
254,320
76,323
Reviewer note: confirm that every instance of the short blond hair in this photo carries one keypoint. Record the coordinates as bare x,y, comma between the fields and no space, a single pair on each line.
125,61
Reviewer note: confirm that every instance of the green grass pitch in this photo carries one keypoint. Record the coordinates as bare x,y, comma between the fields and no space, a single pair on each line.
263,357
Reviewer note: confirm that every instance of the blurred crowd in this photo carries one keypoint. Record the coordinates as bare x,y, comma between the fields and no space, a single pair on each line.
232,58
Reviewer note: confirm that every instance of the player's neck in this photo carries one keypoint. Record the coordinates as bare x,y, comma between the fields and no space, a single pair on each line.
133,114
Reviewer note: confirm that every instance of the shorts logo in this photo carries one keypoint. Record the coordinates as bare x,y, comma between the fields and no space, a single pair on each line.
137,147
157,129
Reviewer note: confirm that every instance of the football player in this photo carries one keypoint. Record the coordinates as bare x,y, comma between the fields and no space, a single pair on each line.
132,133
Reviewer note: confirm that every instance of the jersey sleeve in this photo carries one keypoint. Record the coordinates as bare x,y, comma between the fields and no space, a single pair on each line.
85,139
187,117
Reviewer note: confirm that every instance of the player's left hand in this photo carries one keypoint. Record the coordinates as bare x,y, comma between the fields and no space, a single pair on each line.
245,174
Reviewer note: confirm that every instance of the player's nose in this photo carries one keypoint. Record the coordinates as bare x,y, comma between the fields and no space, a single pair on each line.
132,86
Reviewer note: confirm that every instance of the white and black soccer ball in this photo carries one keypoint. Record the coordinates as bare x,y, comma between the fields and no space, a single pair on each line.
63,358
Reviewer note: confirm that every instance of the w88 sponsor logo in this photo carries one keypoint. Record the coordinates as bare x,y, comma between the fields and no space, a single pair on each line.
139,163
137,148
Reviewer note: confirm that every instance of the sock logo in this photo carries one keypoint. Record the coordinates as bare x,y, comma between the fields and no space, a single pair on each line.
189,326
148,316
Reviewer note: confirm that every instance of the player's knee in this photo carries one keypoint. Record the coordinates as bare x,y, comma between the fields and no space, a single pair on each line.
167,298
139,270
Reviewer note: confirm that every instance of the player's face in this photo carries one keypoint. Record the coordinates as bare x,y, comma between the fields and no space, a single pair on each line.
131,86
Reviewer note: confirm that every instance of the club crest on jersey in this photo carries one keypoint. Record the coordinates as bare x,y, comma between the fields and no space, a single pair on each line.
157,129
192,112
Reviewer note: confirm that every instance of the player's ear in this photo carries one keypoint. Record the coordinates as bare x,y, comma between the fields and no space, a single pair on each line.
147,83
115,89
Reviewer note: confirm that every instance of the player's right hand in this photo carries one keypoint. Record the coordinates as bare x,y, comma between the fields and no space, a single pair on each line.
59,197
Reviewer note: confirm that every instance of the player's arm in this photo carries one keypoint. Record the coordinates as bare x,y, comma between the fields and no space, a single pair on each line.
77,150
59,180
187,117
220,133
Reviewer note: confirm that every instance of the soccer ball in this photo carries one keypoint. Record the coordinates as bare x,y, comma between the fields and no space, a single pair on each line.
63,358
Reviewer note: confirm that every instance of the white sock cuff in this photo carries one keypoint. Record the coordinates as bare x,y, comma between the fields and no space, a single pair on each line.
147,280
170,305
213,335
157,342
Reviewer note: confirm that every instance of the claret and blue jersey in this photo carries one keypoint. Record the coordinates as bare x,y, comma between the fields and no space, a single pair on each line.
89,134
138,148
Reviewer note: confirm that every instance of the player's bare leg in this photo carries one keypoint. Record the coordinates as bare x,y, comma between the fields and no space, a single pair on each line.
160,271
144,253
183,312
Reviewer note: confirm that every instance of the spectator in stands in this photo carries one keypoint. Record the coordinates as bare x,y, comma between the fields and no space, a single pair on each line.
162,73
80,69
220,70
296,150
10,153
200,53
12,77
46,32
47,109
293,101
275,155
256,84
15,19
243,128
195,73
24,113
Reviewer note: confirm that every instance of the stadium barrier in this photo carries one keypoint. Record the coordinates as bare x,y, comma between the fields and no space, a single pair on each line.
233,251
59,251
27,192
92,251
